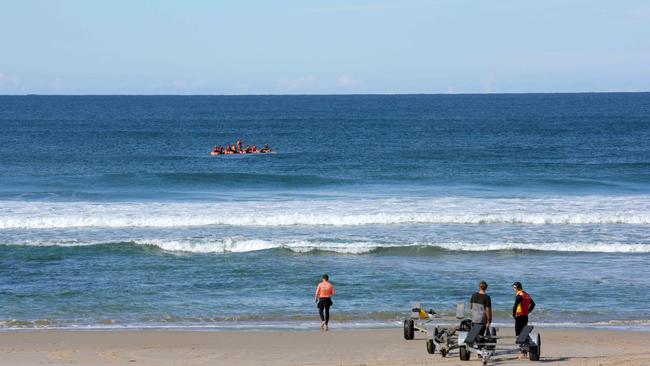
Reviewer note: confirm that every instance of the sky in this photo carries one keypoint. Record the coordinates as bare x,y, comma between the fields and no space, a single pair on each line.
323,47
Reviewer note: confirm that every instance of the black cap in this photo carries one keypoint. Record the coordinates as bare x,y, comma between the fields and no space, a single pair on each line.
517,284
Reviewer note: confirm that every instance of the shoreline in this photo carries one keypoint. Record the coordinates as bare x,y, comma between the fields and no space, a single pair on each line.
306,327
284,326
336,347
311,327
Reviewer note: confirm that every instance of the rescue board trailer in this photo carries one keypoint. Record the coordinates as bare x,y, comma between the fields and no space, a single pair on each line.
487,345
443,335
440,331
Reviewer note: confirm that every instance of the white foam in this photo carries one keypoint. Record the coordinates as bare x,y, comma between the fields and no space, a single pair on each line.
301,246
351,212
238,245
228,245
241,245
553,247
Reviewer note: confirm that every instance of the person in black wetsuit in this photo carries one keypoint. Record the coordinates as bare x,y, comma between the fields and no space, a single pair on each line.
524,304
481,306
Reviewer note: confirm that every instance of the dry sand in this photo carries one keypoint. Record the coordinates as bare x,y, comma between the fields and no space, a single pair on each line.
337,347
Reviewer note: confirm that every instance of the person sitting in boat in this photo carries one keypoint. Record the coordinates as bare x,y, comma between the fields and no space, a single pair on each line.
266,148
254,149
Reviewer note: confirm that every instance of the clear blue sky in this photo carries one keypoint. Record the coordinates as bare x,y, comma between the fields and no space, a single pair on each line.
317,46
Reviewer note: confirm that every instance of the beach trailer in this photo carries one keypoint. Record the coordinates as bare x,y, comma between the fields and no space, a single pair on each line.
490,345
446,334
441,332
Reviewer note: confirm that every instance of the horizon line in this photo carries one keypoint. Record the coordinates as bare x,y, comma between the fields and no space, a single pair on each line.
311,94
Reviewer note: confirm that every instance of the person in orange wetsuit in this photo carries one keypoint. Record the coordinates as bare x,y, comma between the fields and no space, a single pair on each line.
323,297
524,304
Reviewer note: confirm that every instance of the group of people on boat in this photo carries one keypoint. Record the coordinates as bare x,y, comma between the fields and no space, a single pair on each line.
238,148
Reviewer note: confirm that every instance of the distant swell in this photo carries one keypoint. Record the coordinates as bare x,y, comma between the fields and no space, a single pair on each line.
450,210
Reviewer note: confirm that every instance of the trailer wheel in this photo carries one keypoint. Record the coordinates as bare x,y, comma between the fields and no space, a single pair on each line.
464,353
431,347
409,329
465,325
534,351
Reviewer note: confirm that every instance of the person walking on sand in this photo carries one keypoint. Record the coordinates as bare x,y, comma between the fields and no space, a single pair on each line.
323,297
524,304
481,306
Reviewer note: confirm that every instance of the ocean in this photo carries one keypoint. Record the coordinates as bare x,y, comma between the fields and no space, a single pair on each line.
113,214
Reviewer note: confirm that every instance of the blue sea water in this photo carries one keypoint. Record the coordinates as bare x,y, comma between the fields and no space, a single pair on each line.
114,214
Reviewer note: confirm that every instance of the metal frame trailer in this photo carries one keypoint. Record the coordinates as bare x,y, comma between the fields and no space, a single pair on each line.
486,345
441,332
443,336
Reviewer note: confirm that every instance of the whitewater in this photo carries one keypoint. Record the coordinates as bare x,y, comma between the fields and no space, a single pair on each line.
393,211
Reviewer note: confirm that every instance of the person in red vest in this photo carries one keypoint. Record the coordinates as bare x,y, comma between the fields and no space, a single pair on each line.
523,306
323,297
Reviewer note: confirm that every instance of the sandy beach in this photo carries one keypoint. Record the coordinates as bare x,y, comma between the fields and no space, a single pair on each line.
361,347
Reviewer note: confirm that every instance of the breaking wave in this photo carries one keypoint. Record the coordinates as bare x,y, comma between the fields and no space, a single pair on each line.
633,210
237,245
230,245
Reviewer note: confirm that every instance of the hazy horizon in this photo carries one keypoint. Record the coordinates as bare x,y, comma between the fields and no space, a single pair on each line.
312,94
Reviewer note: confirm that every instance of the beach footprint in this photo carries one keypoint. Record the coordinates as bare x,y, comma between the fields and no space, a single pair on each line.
62,356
